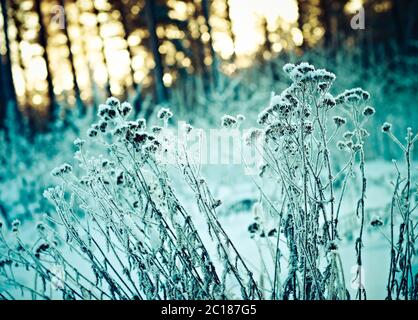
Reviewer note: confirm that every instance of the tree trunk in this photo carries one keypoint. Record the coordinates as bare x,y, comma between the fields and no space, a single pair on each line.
79,103
326,14
206,14
160,90
44,44
126,31
99,27
9,89
230,30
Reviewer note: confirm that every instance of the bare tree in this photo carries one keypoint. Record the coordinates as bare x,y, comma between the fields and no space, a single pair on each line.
77,94
43,36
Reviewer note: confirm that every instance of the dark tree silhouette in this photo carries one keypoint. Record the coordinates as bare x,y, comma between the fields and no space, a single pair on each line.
3,104
230,30
8,90
126,24
99,28
43,41
160,90
18,38
77,94
206,14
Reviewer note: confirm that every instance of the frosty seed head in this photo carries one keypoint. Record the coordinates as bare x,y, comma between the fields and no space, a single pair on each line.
332,246
103,110
253,136
275,130
63,169
308,127
339,121
92,132
240,117
132,125
156,129
364,133
120,130
352,98
340,99
341,145
217,203
102,125
141,124
304,67
228,121
105,163
322,76
328,101
263,117
357,147
253,228
164,114
376,221
79,142
125,109
140,138
290,147
40,226
368,111
386,127
113,103
188,128
15,225
356,95
152,147
323,86
305,112
119,178
272,232
348,135
283,107
288,67
262,169
107,112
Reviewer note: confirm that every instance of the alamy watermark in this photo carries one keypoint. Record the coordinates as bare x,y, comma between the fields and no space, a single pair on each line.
358,21
222,146
58,16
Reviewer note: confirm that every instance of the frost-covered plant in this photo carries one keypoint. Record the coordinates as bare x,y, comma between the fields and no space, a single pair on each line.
298,132
122,219
402,282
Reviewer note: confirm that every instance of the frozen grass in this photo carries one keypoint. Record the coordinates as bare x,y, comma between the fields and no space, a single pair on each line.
129,225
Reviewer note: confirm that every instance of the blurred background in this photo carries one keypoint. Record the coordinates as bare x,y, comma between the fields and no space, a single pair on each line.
67,54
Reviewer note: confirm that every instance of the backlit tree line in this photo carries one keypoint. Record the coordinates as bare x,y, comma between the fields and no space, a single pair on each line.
76,52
